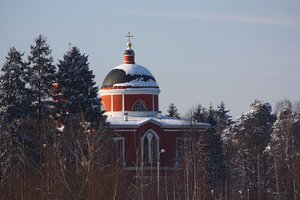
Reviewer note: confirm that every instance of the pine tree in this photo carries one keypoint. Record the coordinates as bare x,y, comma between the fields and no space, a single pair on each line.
14,105
78,93
77,107
172,111
199,114
41,76
214,163
284,152
223,120
211,117
250,136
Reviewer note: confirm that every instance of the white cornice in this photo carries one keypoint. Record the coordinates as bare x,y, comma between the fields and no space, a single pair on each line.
130,91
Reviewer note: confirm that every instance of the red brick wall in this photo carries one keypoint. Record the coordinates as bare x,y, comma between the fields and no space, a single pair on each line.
156,107
117,99
167,142
130,99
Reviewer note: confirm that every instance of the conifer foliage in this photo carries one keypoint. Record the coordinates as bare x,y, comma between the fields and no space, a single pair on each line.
223,119
14,104
78,94
41,76
248,139
199,114
173,111
219,120
284,151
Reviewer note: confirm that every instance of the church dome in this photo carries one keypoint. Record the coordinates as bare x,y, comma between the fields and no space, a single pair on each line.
130,89
129,75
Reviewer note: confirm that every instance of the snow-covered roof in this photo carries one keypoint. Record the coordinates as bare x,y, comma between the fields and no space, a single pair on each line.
137,83
163,121
134,69
129,75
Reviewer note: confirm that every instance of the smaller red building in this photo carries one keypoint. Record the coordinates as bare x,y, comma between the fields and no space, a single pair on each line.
144,137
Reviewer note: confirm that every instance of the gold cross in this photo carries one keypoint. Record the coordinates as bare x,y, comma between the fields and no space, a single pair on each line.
129,36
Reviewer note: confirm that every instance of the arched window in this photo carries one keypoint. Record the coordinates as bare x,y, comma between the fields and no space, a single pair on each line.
119,151
154,150
146,150
150,147
139,106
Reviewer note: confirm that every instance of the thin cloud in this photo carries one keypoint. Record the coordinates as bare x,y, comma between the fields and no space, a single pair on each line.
228,18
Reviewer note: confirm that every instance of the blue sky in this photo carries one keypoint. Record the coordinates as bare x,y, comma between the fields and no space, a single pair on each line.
199,51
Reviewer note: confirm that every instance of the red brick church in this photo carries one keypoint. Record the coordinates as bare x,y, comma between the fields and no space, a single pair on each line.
143,136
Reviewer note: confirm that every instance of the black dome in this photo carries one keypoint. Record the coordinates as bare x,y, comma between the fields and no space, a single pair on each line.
113,77
119,76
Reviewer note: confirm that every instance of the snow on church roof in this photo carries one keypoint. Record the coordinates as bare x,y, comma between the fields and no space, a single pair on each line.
134,69
131,75
163,121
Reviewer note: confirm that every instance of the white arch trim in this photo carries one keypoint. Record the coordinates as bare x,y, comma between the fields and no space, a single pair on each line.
149,144
142,102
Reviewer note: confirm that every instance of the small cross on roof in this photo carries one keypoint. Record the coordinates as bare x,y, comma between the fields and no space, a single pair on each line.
129,36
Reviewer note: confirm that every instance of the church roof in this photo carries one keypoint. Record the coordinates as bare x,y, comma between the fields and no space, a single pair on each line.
129,75
163,121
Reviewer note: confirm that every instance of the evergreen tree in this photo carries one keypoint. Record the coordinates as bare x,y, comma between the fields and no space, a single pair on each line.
211,117
223,120
78,95
214,163
77,107
199,114
284,152
217,118
172,111
14,104
250,135
212,144
41,76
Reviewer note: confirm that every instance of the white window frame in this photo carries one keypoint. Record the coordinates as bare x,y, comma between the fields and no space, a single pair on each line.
122,139
147,134
139,102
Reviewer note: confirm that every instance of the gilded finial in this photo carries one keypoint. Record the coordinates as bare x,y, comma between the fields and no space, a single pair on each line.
129,45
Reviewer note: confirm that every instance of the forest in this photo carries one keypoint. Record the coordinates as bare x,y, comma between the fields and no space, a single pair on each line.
55,142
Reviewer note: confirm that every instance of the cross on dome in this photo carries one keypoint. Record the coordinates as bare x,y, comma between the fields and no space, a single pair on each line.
129,45
129,53
129,36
